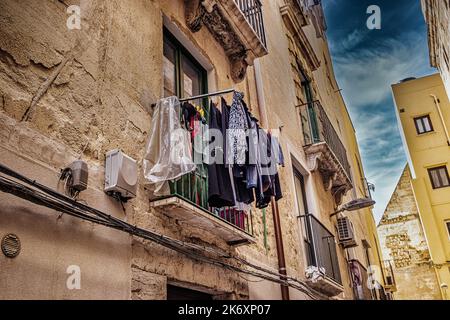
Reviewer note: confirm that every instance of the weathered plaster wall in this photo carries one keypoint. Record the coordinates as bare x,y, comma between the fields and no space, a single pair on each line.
84,92
437,15
52,242
403,242
70,93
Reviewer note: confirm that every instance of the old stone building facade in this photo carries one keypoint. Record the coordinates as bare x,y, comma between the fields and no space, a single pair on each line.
437,16
404,246
78,93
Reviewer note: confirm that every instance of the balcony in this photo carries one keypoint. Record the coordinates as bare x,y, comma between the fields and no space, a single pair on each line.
321,251
325,151
237,25
389,277
188,203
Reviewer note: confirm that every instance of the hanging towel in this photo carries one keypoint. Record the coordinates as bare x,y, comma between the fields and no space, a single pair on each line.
168,154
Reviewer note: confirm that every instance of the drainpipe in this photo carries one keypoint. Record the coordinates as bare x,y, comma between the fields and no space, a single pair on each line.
438,106
260,94
280,249
275,211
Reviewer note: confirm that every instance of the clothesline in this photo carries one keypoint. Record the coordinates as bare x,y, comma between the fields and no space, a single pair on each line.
206,95
245,170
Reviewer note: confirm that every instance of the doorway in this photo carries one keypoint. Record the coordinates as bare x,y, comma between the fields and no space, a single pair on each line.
179,293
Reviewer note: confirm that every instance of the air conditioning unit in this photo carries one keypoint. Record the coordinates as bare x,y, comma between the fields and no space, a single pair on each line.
121,175
346,233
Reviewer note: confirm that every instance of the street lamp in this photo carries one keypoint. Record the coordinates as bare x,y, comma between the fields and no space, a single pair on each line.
355,205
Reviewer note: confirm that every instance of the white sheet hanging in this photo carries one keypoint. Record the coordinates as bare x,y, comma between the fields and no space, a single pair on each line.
168,154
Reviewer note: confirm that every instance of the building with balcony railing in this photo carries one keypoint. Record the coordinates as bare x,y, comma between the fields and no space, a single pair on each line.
325,150
252,10
188,203
321,251
74,95
236,25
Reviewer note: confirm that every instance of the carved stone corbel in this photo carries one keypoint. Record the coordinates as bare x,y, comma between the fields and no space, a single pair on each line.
227,38
209,5
313,161
338,194
328,179
194,14
207,12
239,67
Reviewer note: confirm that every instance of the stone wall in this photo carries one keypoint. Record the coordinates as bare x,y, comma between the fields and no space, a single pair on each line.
403,243
69,94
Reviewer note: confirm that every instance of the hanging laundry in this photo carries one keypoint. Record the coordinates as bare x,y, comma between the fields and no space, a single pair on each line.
188,111
225,109
270,184
253,172
236,137
279,152
220,191
168,154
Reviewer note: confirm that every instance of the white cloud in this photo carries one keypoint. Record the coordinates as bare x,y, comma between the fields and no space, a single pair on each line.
366,74
352,40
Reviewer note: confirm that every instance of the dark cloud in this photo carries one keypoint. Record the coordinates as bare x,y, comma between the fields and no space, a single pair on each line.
367,63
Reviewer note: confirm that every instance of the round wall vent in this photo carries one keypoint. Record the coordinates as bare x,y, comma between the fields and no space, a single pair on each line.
11,245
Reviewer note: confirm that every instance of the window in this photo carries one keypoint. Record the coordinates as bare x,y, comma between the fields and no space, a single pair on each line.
423,124
300,192
439,177
448,228
183,75
299,182
321,248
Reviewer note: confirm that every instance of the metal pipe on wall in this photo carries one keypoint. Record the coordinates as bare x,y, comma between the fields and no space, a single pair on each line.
441,116
280,249
260,95
275,211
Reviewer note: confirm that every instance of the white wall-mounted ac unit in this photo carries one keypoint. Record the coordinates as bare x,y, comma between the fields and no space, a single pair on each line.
121,175
346,233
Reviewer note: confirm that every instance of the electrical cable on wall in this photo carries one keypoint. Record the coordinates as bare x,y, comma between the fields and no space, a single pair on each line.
67,179
75,178
20,186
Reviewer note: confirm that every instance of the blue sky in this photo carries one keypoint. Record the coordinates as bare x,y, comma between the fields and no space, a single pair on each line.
366,63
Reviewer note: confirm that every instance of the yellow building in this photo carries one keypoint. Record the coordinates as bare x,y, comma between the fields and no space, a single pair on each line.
423,111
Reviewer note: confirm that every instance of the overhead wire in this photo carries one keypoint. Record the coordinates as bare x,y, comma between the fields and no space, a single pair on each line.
47,197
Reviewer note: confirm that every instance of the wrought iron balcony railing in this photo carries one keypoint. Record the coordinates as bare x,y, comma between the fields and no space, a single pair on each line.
252,10
194,189
322,141
317,128
188,201
321,248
